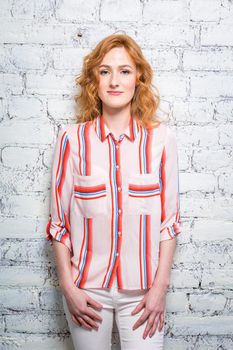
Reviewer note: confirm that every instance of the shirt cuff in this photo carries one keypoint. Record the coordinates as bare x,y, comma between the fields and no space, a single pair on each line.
59,234
170,232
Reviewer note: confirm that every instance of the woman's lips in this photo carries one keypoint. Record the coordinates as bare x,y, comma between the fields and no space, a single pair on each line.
114,93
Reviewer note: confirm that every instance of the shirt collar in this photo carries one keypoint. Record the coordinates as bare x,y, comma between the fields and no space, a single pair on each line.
103,131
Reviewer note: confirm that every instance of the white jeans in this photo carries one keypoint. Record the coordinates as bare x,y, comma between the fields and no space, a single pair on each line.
123,301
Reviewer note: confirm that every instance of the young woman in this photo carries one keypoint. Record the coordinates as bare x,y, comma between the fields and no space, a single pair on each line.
114,213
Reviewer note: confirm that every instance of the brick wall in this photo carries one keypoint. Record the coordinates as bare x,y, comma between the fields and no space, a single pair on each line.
190,46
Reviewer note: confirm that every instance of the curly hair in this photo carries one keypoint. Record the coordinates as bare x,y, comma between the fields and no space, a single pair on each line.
145,101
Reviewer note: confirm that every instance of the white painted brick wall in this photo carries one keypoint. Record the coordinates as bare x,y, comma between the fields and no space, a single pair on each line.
190,46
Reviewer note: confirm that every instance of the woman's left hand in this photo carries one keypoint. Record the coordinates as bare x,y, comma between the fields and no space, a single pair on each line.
154,303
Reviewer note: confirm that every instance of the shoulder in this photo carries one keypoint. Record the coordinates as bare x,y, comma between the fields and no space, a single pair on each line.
164,134
70,129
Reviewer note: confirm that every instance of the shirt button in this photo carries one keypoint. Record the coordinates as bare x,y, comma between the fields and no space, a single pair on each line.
119,188
117,166
119,211
119,233
117,254
117,146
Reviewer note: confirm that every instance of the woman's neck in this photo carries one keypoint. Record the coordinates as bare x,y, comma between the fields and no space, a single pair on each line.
118,121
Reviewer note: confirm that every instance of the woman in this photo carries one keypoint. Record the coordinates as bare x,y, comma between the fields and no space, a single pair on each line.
115,203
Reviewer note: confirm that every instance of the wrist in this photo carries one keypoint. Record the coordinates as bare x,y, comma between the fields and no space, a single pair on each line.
163,286
66,288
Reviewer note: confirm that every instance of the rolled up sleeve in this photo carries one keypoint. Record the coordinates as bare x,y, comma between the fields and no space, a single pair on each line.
169,180
58,225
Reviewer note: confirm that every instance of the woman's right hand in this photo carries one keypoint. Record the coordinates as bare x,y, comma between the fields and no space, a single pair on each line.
80,305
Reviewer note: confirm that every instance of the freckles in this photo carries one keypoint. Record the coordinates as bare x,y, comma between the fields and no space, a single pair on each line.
131,83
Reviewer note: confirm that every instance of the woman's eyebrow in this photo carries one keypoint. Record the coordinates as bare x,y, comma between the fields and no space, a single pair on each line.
121,66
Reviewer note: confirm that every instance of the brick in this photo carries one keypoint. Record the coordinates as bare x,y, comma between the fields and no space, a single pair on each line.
6,9
211,86
25,251
18,157
77,11
12,227
165,11
32,178
183,279
207,10
22,276
20,32
51,299
26,107
178,35
69,58
44,9
224,110
61,108
208,302
18,299
198,182
49,84
176,302
35,58
191,136
217,278
119,11
14,341
10,84
24,204
39,323
211,159
28,132
197,111
212,325
212,230
197,206
219,34
23,9
171,85
226,183
225,135
165,60
219,59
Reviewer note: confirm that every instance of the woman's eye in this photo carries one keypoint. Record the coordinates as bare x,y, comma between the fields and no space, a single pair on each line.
103,71
126,71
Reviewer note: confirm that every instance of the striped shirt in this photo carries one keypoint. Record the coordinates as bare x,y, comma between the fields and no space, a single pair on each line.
113,201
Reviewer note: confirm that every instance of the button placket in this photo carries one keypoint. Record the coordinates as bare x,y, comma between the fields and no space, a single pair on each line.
118,211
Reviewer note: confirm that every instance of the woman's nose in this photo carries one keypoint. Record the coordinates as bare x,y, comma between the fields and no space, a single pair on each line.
114,79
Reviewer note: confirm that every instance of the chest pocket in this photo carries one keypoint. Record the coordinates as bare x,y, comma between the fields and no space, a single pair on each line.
143,193
90,195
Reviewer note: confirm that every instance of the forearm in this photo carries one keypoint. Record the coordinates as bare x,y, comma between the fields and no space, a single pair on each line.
166,254
63,264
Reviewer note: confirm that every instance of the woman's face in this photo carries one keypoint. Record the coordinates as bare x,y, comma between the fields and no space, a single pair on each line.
117,79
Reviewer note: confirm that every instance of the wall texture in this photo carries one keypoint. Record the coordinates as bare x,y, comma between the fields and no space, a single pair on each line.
190,46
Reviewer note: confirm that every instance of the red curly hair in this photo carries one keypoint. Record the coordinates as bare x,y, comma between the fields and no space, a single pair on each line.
145,101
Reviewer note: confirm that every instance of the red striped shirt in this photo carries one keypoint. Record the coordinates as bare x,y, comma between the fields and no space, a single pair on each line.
113,201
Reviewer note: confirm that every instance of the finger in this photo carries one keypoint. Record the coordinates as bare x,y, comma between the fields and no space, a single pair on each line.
84,323
138,308
90,321
149,325
74,319
141,320
161,322
89,312
152,330
94,303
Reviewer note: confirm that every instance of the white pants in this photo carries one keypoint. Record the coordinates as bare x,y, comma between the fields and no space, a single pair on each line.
123,301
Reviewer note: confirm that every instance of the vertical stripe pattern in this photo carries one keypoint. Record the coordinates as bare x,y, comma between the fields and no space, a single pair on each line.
113,199
83,136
